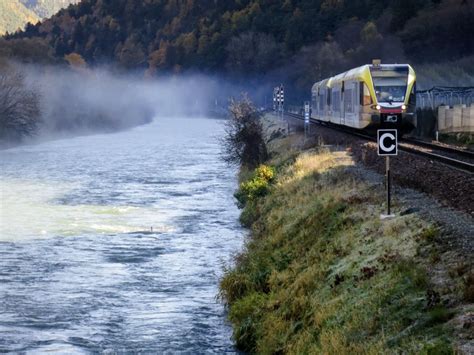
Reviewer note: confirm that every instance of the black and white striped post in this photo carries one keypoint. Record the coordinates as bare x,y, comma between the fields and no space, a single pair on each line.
387,144
281,99
306,119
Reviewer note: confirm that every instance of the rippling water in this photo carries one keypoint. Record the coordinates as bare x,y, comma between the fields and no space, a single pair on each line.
115,243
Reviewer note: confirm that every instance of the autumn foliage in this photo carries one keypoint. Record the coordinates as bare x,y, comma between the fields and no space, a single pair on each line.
257,36
244,142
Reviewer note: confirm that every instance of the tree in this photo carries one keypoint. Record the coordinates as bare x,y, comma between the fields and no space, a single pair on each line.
252,51
161,58
76,61
317,62
403,10
131,54
19,107
244,142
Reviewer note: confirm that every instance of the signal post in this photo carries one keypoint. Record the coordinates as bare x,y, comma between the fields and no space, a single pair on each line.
387,146
306,119
279,99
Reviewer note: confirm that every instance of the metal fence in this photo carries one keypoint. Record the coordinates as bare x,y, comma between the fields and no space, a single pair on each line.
443,95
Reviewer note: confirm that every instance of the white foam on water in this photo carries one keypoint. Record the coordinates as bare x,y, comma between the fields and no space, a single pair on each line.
29,210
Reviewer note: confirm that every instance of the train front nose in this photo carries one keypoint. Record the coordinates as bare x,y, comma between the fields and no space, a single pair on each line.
394,116
398,117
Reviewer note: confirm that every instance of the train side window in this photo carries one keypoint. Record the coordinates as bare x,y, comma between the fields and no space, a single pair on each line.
336,100
314,99
348,105
321,102
355,96
333,100
365,98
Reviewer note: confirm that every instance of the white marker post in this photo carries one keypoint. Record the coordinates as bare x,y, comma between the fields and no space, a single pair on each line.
306,119
281,91
275,98
387,143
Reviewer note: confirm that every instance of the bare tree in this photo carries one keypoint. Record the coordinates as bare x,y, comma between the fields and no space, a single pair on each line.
244,142
19,106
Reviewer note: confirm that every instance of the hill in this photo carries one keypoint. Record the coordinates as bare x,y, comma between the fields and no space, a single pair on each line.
298,41
47,8
15,14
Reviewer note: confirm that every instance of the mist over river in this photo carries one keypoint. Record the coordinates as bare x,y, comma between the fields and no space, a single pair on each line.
82,271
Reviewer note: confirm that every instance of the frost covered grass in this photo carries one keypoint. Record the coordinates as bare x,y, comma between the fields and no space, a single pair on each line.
321,273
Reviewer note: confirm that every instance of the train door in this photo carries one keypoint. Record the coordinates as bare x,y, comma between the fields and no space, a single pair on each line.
343,110
350,100
328,111
314,101
357,107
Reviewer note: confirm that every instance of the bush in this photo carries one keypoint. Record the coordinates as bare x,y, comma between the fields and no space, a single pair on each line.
257,186
244,143
19,108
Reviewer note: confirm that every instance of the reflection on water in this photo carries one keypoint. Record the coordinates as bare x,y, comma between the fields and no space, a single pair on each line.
115,243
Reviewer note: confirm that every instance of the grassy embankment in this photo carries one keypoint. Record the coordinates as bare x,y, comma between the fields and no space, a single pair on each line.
321,273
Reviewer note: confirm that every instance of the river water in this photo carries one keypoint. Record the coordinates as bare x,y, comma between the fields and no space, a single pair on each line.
115,242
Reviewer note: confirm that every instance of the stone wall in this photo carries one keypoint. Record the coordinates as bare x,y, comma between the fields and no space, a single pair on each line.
458,118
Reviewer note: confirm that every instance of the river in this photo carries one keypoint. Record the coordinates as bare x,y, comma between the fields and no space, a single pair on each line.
115,242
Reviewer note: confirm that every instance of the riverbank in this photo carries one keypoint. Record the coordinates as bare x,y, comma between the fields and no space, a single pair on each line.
321,273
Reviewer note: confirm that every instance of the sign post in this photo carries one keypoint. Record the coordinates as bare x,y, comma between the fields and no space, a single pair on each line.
387,144
279,99
306,119
275,96
282,100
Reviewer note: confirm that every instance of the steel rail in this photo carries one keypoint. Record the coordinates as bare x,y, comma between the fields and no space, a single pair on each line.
459,164
434,146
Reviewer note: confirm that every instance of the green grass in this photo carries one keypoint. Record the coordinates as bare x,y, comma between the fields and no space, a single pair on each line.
322,273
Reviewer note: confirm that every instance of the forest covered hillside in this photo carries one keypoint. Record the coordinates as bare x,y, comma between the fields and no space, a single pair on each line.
47,8
299,41
15,14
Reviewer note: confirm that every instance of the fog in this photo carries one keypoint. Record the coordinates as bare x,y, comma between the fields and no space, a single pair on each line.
83,101
76,101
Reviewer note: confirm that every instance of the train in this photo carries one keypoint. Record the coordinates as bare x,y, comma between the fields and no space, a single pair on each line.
368,97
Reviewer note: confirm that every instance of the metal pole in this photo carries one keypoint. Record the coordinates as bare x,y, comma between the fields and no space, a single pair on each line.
387,168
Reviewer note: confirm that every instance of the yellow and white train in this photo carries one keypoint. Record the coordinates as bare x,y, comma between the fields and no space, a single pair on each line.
370,96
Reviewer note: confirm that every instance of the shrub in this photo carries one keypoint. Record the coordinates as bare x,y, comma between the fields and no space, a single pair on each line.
19,108
257,186
234,286
247,312
244,142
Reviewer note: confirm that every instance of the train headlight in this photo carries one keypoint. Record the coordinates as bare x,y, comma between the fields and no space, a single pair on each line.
404,107
378,107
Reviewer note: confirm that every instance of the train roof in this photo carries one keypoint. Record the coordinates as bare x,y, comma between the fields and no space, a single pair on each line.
360,73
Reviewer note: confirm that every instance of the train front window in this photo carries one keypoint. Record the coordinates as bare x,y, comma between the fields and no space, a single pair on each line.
390,89
390,84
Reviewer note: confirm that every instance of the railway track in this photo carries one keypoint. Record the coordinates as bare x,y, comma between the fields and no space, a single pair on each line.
448,149
457,158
